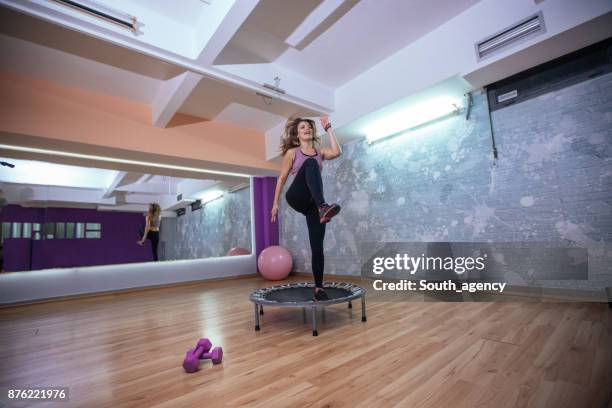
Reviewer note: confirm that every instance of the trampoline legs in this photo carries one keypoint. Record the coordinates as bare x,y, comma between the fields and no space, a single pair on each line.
363,313
313,309
256,317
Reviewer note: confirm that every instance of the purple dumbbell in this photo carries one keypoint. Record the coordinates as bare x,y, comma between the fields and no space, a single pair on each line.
193,356
216,355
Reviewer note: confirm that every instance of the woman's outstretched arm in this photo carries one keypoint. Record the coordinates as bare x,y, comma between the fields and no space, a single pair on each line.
282,178
330,153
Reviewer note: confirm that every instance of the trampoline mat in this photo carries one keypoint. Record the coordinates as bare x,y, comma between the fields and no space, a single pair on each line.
304,294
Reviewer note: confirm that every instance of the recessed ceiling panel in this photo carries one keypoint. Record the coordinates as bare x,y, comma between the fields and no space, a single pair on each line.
248,117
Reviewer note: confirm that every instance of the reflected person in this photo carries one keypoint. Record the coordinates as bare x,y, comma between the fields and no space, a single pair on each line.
151,231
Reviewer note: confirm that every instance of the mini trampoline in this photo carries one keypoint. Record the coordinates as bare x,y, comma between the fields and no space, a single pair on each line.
300,295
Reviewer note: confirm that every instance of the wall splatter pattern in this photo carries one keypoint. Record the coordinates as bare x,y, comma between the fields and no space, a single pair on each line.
552,182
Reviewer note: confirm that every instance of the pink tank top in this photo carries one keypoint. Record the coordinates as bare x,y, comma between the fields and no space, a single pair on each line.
300,158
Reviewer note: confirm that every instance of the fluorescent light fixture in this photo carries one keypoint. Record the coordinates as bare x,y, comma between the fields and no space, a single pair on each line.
115,160
97,10
210,196
61,175
411,117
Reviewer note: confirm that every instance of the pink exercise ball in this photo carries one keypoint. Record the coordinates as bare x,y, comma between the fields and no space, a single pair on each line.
238,251
275,263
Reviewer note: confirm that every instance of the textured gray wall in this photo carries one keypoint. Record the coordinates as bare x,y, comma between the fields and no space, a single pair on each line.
210,231
552,182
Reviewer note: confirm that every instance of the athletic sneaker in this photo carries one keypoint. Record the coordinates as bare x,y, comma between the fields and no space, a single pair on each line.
320,295
327,211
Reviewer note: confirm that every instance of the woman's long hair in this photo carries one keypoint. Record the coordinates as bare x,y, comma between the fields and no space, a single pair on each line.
290,136
154,210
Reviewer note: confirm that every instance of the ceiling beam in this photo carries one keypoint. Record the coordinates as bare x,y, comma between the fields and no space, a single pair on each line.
147,198
230,25
145,178
189,187
321,99
171,95
319,20
139,208
118,178
27,193
149,188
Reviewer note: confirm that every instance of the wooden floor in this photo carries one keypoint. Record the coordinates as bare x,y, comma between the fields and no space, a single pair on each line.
127,350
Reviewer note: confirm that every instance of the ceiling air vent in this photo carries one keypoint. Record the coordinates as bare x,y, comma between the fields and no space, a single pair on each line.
527,28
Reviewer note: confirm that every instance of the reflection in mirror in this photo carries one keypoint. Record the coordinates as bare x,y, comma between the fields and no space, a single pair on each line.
55,215
49,230
59,232
70,230
80,228
27,230
6,230
36,229
217,222
16,230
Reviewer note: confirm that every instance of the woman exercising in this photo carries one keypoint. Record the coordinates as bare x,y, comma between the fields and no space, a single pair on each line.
151,231
305,195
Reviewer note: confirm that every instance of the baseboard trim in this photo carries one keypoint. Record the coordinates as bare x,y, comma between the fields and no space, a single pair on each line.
550,294
112,293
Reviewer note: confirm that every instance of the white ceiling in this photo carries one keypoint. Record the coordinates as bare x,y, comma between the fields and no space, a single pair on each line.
369,33
52,174
352,51
211,98
248,117
56,37
39,183
34,60
338,49
366,34
41,50
184,12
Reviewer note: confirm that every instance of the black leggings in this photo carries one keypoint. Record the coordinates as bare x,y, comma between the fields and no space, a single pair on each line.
305,195
153,236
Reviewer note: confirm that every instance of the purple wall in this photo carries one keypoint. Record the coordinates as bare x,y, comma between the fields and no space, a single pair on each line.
117,245
17,252
266,233
20,254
